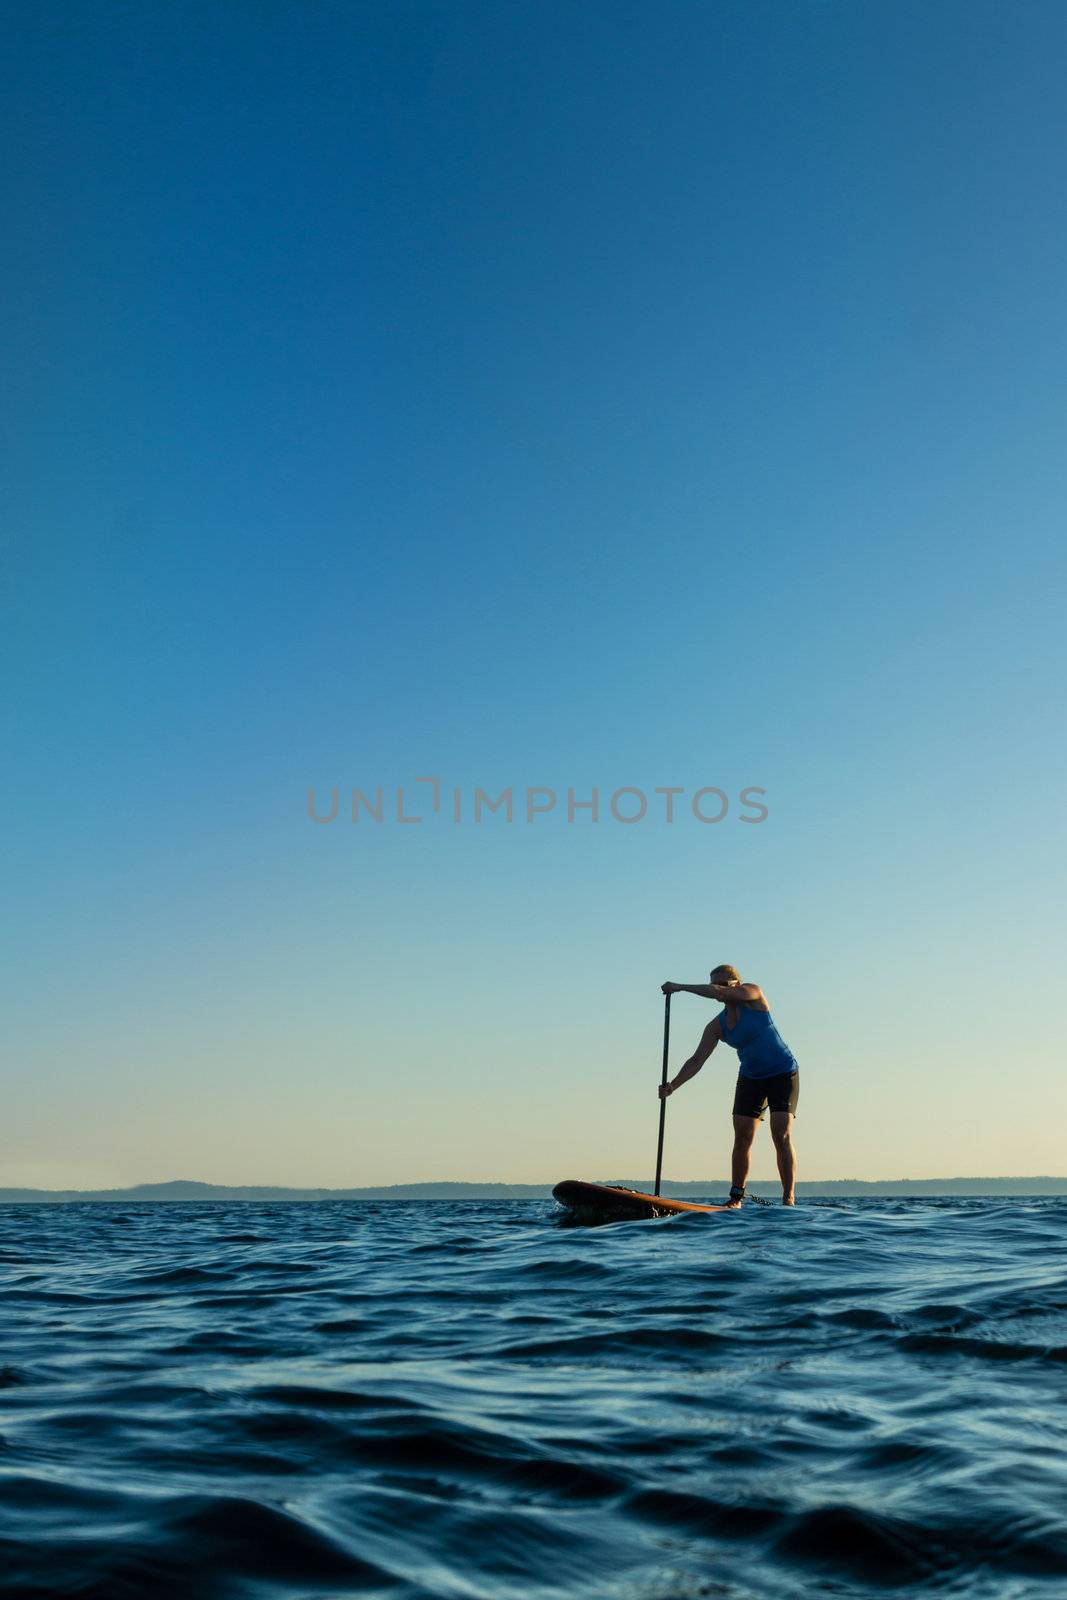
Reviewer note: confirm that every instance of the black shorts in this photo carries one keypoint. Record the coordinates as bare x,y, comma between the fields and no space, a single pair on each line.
754,1095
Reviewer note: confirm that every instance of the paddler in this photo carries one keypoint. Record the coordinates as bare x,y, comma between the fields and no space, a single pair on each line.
768,1075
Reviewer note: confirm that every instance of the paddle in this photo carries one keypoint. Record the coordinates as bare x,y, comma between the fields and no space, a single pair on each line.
663,1080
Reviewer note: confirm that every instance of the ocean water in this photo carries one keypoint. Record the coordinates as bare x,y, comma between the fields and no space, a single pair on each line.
472,1400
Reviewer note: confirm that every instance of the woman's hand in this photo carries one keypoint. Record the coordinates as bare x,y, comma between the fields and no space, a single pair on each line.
665,1089
670,988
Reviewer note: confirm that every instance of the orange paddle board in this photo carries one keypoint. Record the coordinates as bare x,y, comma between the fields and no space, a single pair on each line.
599,1202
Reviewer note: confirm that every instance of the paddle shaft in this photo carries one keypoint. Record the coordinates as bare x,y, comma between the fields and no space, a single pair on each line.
663,1102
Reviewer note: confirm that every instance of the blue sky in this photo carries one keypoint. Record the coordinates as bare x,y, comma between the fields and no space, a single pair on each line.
567,396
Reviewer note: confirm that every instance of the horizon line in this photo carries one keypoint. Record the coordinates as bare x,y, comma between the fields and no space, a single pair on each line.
506,1183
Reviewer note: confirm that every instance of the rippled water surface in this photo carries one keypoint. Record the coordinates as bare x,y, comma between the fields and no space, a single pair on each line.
471,1400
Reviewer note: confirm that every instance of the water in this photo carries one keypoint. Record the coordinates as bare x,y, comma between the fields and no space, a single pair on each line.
470,1400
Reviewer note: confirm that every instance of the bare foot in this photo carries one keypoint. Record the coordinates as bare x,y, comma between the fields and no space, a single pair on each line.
787,1200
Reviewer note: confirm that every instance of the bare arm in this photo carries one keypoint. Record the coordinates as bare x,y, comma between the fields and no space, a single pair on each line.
728,993
731,993
708,1040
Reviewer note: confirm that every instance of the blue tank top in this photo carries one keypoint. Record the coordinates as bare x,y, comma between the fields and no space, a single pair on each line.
762,1051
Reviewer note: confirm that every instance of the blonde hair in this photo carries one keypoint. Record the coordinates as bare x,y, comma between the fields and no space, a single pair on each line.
727,971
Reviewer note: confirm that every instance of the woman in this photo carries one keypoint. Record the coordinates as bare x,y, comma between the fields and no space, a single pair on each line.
768,1074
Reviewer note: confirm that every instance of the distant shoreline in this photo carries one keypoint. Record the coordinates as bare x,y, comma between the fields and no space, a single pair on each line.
181,1191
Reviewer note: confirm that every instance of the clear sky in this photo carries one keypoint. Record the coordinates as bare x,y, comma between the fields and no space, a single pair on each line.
557,395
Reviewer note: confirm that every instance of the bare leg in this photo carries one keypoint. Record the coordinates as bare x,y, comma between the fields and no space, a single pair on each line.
782,1134
744,1133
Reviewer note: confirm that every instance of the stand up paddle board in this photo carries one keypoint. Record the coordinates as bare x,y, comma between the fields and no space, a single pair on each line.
599,1202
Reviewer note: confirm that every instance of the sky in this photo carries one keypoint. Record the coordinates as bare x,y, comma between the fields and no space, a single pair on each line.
538,397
